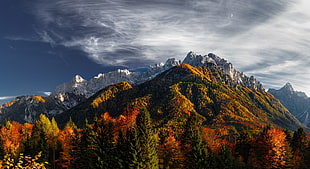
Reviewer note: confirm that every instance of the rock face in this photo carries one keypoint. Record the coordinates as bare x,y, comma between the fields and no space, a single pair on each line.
78,90
28,108
72,93
296,102
238,77
171,96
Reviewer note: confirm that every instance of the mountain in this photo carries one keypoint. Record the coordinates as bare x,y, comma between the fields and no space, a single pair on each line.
78,90
79,93
28,108
298,103
221,99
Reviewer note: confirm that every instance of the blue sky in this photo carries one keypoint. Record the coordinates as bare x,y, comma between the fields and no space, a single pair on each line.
44,43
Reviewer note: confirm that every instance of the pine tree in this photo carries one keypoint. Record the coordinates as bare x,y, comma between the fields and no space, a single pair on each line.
104,144
243,145
147,153
85,149
226,160
127,149
197,154
2,153
299,140
298,145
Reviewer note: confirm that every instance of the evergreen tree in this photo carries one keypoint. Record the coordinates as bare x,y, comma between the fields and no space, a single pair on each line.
243,145
299,140
147,153
197,154
104,144
2,153
226,160
84,157
127,149
298,145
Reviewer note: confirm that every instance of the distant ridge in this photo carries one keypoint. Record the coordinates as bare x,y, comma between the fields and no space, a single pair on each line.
298,103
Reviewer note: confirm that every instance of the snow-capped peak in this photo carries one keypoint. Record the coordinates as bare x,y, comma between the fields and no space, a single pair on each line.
78,79
80,87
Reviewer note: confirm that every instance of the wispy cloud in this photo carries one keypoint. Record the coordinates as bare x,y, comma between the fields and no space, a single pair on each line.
7,97
47,93
265,38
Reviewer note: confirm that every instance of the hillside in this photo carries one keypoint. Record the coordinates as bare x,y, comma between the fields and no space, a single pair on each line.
28,108
182,90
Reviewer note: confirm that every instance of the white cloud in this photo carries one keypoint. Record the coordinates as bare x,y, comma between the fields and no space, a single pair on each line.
47,93
267,38
7,97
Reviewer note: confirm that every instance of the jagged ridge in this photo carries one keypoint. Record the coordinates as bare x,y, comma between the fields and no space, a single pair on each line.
78,89
83,89
298,103
174,94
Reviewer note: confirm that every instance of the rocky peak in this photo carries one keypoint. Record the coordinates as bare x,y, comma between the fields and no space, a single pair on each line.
172,62
80,87
288,87
78,79
298,103
194,60
238,77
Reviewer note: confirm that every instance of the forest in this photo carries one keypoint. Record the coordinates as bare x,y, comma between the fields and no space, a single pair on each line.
134,143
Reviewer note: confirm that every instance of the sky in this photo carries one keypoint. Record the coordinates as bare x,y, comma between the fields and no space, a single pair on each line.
44,43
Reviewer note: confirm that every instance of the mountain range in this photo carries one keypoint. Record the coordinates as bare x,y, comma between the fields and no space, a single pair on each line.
206,85
298,103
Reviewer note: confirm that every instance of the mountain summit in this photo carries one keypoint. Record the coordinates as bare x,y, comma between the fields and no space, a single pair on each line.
206,91
72,93
208,77
298,103
287,87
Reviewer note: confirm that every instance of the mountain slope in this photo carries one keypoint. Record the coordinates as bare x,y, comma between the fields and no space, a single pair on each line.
77,90
296,102
180,91
28,108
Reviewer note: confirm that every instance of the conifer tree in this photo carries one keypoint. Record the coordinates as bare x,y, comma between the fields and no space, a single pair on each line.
197,154
104,144
147,153
244,145
2,153
298,145
128,149
226,160
84,157
299,140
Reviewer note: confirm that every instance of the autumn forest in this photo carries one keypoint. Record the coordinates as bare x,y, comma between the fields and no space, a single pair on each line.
111,143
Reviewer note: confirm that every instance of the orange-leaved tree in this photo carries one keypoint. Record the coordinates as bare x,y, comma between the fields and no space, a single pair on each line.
271,150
